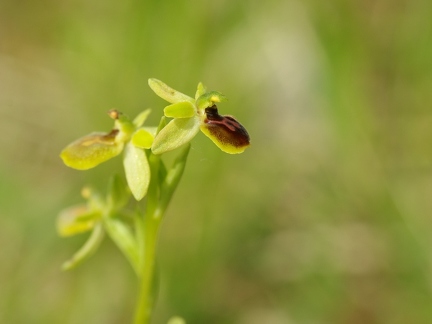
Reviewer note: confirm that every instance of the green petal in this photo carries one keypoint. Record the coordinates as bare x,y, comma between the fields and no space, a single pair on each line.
91,150
226,132
137,170
208,99
179,131
201,89
168,93
183,109
142,138
141,118
76,219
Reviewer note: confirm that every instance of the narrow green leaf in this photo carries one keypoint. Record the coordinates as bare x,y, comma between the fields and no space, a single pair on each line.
137,170
141,118
168,93
173,177
179,131
123,237
89,247
183,109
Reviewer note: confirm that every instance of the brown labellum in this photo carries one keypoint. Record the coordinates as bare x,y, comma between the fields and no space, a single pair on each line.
226,129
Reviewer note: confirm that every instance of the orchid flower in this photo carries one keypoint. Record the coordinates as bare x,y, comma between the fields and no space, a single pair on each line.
191,115
127,136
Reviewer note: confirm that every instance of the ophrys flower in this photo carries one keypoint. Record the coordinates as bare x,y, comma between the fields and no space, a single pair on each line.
127,136
191,115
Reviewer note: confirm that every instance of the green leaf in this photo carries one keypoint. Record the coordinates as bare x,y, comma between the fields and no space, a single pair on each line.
123,237
183,109
91,150
76,219
89,247
141,118
118,193
137,170
168,93
179,131
142,138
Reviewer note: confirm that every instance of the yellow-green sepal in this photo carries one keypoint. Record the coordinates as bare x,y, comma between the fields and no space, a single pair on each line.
201,89
182,109
137,170
91,150
166,92
177,132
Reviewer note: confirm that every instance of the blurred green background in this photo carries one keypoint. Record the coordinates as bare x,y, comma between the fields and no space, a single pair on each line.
326,218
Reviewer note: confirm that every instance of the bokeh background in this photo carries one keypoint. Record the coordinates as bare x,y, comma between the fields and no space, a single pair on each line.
325,219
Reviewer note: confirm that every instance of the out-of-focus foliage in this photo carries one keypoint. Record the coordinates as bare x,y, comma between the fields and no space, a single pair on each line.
326,218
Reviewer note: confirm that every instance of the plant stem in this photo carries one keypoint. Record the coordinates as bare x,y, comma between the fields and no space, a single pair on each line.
150,228
146,296
158,197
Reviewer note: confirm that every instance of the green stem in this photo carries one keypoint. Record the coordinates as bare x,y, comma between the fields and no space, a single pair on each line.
146,296
150,228
158,197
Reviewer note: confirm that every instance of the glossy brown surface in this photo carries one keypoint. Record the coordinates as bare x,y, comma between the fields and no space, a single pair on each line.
226,128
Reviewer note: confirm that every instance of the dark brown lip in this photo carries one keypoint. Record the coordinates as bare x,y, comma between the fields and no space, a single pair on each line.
226,128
